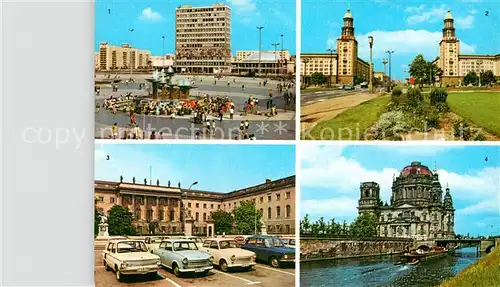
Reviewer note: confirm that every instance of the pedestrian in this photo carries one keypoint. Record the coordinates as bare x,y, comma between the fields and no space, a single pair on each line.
242,128
231,112
115,130
243,87
153,136
220,113
247,125
213,127
208,127
160,137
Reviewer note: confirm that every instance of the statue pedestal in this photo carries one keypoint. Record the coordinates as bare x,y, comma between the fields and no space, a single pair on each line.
188,227
103,231
263,229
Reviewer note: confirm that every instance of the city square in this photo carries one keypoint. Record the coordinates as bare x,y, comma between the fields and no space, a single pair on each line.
218,83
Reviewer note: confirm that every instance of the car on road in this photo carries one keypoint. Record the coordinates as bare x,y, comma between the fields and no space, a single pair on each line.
348,87
288,241
127,257
227,254
153,242
183,256
270,249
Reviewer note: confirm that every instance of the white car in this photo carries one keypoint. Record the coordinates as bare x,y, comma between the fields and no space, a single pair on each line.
227,253
197,240
153,242
289,242
128,257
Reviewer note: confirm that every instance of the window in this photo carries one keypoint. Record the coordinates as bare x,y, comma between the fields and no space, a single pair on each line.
288,211
138,213
278,212
269,213
172,215
189,204
204,216
260,242
101,199
287,195
211,206
197,205
162,214
278,196
112,200
206,244
252,241
218,206
268,198
261,199
204,205
214,245
197,216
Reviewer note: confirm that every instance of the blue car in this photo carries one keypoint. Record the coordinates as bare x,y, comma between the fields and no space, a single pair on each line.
270,249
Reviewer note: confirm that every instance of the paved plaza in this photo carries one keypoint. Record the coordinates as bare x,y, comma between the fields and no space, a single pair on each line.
281,126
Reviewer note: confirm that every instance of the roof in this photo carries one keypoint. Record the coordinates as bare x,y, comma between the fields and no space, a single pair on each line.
416,168
448,16
348,14
265,57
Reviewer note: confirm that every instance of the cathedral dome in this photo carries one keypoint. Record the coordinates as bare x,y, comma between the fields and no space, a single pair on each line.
348,14
448,16
416,168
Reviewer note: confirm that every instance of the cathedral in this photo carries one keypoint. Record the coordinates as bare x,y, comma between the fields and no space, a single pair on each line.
417,208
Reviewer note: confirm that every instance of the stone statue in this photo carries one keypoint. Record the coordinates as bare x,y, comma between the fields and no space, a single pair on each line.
133,180
179,184
104,219
158,182
169,183
145,181
121,178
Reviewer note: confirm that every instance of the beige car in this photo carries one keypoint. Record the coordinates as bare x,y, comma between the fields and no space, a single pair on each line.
227,253
153,242
128,257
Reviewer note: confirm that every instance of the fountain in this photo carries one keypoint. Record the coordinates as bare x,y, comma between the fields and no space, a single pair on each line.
162,80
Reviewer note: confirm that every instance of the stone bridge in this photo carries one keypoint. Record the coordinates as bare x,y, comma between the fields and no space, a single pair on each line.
325,248
485,245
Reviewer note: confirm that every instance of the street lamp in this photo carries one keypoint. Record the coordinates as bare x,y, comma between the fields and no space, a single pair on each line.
281,56
370,85
305,60
185,205
479,63
260,44
384,61
130,46
275,59
331,66
163,52
390,65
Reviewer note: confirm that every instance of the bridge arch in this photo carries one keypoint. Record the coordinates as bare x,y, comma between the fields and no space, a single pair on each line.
489,248
424,247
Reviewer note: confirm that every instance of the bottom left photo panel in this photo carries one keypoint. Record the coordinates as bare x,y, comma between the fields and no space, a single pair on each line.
194,214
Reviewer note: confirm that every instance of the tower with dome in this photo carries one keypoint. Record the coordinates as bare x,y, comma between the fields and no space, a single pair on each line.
417,208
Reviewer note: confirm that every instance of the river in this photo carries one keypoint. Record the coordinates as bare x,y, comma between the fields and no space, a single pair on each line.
381,271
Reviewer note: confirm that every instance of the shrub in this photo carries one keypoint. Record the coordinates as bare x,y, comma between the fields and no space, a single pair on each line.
464,131
389,125
415,97
396,92
438,95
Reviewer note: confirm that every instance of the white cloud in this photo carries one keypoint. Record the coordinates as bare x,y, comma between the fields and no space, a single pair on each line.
473,12
464,22
342,207
476,186
245,9
418,15
405,42
149,15
488,206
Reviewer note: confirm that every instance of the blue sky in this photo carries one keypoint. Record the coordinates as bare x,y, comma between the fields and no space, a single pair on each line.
407,27
220,168
330,178
153,19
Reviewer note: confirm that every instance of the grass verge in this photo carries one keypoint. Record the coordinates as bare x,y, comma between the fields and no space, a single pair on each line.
482,109
352,123
485,272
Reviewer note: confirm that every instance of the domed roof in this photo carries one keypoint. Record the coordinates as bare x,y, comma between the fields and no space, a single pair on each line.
348,14
448,16
416,168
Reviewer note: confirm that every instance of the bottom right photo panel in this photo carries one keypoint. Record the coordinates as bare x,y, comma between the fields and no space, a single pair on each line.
399,215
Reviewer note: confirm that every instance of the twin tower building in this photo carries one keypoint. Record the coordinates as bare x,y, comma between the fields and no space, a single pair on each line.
417,208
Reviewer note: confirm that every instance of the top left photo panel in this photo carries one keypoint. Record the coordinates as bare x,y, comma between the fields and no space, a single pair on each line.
200,70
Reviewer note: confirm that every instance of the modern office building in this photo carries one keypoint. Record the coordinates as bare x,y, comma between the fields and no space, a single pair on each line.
164,203
455,65
124,58
344,64
203,39
271,63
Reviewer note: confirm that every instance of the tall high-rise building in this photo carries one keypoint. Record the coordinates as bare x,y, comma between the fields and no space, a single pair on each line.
203,39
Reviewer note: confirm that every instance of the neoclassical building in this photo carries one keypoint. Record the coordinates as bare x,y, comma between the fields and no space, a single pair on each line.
455,65
164,203
345,64
417,208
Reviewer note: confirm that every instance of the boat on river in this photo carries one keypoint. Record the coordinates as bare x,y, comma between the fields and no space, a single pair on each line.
423,255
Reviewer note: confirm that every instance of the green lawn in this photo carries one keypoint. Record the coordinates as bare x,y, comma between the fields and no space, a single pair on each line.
352,123
485,272
481,108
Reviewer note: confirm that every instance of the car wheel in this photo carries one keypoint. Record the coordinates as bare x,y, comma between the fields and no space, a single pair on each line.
152,275
119,275
223,265
106,267
177,272
274,262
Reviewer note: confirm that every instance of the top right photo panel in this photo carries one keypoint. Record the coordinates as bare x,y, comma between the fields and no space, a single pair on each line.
400,71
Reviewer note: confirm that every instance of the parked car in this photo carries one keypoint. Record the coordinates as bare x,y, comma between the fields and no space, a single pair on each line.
128,256
153,242
183,256
270,249
196,239
348,87
289,242
227,253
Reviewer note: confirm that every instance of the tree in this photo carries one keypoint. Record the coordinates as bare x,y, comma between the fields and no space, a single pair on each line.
247,219
433,71
365,225
419,69
470,78
318,79
120,221
334,228
305,224
487,77
97,218
321,226
223,221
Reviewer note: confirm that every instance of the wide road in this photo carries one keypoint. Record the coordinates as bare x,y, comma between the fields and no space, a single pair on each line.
260,275
308,98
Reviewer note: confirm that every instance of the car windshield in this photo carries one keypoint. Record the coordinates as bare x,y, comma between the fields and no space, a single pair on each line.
228,244
274,242
156,240
185,245
131,246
